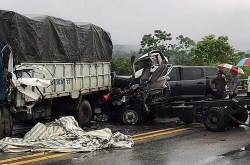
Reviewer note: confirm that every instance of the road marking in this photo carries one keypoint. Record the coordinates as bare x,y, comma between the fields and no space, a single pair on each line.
21,157
154,132
164,130
159,134
49,155
40,159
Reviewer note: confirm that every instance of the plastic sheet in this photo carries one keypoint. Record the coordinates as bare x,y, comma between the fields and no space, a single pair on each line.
51,39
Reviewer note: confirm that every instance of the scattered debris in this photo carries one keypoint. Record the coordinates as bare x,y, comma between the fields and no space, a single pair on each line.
64,135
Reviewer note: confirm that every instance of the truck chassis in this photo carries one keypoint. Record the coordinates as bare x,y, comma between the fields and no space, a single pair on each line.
215,114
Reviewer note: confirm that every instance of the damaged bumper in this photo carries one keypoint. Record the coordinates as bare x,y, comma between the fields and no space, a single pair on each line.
17,84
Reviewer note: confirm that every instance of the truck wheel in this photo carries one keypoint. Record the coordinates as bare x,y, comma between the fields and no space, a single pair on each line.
6,123
209,97
130,115
215,119
242,117
187,119
84,113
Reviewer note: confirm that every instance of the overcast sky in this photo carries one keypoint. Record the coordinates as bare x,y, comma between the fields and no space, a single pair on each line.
129,20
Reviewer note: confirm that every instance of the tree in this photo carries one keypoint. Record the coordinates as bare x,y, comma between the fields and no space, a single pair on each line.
211,50
237,56
121,66
182,50
161,40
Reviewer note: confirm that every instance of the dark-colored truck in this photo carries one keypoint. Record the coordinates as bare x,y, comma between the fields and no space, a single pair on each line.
190,88
186,82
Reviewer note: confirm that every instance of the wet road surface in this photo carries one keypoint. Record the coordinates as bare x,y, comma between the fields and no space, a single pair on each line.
20,129
194,146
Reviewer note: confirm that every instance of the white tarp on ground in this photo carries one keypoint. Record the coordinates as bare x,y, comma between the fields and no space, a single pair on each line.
64,135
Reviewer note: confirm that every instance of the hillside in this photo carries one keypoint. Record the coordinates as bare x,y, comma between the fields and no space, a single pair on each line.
124,50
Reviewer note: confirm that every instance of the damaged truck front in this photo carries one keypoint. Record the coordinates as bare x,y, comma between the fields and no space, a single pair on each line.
51,67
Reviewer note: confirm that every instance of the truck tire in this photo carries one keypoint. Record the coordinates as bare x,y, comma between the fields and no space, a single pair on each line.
130,115
6,123
209,97
84,114
187,119
215,119
242,117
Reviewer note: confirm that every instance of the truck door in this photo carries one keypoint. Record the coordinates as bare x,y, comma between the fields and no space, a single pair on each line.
193,82
174,83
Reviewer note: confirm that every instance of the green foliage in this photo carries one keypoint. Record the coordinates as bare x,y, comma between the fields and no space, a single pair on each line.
182,50
120,54
162,41
121,66
246,70
211,50
237,56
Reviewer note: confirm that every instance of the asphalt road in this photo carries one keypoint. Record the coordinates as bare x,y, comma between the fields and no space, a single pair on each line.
195,146
19,131
182,145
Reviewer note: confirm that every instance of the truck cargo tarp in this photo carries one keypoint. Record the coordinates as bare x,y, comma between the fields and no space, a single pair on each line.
50,39
65,135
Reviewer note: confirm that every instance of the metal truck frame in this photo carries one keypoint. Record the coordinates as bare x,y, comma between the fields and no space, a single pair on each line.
216,115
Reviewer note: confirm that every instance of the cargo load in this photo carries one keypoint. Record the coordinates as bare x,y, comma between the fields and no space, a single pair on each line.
51,39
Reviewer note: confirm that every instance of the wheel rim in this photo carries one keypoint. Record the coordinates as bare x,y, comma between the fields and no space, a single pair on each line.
130,116
213,120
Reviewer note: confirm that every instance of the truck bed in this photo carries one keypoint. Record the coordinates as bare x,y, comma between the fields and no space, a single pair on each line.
70,79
